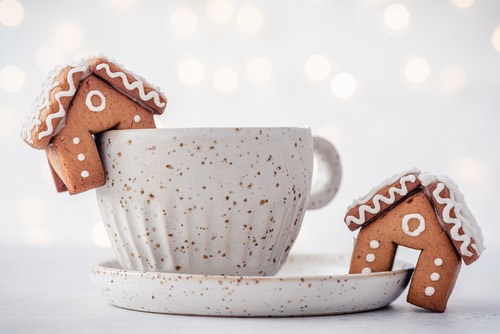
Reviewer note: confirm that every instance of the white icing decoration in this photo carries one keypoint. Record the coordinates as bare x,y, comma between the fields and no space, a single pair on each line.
91,106
138,84
403,191
61,113
42,103
374,244
366,270
438,262
472,235
435,277
85,174
429,291
81,156
370,257
137,118
76,140
418,230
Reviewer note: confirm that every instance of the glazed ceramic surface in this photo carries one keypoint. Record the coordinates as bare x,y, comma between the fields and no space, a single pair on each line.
306,285
210,200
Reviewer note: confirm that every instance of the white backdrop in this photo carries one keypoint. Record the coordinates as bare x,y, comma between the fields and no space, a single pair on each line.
394,84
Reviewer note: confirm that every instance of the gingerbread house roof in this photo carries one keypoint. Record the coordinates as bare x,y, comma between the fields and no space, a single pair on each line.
129,83
49,111
380,198
454,215
449,204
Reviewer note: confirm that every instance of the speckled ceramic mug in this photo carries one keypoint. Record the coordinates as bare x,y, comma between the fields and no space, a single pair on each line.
223,201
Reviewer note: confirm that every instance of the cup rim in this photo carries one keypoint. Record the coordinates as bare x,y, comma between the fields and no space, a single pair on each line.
215,128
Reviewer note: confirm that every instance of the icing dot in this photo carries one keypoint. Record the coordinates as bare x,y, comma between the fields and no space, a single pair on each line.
374,244
366,270
137,118
429,291
76,140
81,156
85,174
370,257
438,262
435,277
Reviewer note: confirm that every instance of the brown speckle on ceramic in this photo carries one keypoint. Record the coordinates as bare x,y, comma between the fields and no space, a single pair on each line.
239,192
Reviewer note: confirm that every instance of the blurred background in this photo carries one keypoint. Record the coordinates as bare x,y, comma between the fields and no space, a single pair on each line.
393,84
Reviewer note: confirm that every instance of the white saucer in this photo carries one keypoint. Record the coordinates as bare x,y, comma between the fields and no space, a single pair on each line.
306,285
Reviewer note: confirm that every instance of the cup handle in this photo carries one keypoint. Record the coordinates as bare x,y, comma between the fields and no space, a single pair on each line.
329,174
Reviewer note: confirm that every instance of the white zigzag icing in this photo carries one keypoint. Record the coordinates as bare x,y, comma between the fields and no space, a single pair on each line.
464,217
138,84
380,198
451,203
34,119
61,113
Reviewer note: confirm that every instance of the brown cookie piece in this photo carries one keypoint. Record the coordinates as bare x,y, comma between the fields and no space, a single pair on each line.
129,84
415,221
455,216
381,198
88,105
50,109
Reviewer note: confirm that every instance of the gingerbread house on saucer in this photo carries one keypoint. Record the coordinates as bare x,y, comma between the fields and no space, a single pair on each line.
423,212
79,101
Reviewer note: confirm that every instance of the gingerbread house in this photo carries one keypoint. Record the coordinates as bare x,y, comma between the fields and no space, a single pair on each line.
79,101
423,212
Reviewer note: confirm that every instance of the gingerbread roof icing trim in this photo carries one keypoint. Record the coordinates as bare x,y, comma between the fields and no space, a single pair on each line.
31,126
41,103
463,220
129,83
370,203
61,112
138,84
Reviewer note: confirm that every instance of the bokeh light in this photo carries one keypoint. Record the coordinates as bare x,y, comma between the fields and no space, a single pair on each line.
396,17
332,133
32,209
225,79
99,235
9,125
452,78
183,21
344,85
68,36
38,236
48,57
11,78
33,213
220,11
191,71
495,39
417,70
124,4
463,3
11,13
250,19
318,67
470,169
259,70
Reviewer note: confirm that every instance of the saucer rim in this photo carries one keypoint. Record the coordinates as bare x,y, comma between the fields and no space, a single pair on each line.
399,267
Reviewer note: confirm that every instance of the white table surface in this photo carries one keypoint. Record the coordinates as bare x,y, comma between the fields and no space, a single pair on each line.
48,290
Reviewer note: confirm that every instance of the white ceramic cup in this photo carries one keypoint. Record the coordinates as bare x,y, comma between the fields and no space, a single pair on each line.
222,201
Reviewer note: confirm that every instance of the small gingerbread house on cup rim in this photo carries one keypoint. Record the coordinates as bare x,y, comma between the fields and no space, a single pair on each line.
79,101
420,211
